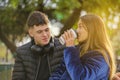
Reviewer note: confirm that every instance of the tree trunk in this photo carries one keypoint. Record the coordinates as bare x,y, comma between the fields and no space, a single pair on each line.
8,43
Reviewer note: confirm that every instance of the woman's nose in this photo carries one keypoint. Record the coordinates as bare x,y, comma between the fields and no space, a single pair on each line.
77,31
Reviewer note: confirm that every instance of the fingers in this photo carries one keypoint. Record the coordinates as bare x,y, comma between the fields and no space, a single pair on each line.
116,78
68,37
118,74
68,34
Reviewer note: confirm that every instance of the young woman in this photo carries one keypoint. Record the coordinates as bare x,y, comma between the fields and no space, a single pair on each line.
93,58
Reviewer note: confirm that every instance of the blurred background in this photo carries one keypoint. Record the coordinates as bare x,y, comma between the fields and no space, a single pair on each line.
63,14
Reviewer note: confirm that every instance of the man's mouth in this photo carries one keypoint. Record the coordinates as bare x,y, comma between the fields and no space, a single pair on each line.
45,39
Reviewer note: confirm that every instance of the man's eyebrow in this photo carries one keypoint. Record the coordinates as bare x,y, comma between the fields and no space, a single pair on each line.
47,29
39,30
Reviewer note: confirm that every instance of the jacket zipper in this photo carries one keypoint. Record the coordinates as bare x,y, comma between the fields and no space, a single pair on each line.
38,67
48,64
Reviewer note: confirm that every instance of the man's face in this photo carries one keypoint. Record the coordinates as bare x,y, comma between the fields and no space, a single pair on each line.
40,34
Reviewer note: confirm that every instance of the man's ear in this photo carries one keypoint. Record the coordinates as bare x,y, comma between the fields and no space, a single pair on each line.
30,31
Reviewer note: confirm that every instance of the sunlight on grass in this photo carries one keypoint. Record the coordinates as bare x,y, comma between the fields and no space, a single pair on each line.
2,51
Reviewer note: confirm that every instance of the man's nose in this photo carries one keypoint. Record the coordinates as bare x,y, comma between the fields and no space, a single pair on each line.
44,33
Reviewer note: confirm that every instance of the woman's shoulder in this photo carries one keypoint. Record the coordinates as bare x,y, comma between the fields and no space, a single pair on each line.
93,54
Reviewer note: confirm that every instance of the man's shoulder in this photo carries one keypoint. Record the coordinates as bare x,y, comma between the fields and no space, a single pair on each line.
24,47
57,43
58,47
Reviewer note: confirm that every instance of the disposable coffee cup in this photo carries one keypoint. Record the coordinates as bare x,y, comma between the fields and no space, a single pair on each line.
61,39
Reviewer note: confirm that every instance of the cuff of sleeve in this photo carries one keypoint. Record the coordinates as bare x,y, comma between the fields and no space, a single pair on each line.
71,51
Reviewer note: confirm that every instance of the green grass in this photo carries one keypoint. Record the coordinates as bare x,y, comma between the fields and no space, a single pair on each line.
6,75
5,69
2,51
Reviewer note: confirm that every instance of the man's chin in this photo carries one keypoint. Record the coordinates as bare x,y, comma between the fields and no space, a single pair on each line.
45,43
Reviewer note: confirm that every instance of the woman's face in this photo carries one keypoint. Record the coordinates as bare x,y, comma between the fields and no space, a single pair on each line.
82,32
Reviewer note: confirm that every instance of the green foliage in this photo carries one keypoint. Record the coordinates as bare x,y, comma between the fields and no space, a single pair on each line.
118,52
13,14
13,3
2,51
63,8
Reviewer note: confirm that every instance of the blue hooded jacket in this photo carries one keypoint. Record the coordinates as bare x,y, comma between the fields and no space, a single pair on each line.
91,66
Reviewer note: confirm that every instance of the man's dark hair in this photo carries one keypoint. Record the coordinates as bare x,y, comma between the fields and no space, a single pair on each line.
37,18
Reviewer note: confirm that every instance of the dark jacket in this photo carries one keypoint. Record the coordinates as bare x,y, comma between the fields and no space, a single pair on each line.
27,62
91,66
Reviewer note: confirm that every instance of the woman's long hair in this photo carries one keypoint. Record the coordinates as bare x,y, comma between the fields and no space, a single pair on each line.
98,40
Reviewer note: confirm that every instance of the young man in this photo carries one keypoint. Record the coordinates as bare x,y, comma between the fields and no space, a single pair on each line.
37,59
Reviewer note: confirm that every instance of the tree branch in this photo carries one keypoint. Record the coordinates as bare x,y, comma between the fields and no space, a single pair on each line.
71,20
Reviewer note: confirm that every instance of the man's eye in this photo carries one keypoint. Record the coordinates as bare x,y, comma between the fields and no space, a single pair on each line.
39,31
47,30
